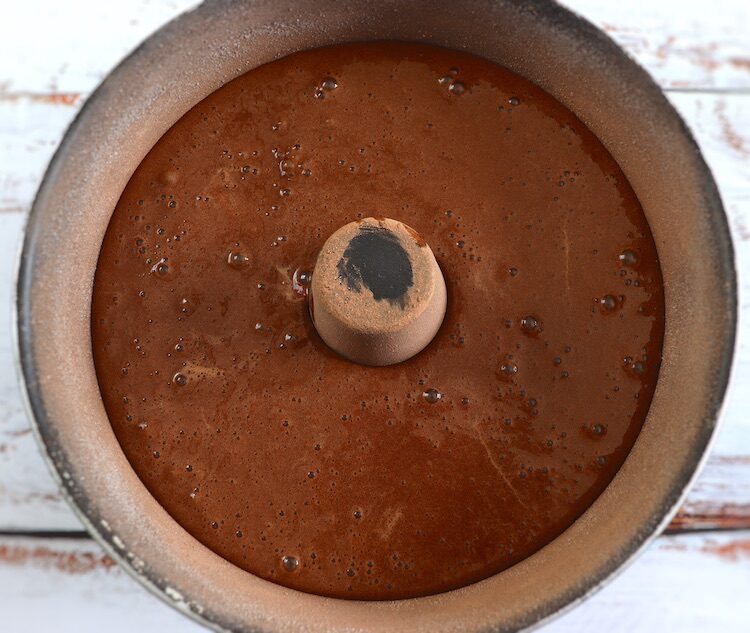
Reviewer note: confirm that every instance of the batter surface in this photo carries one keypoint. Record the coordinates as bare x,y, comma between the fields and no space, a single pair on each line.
377,483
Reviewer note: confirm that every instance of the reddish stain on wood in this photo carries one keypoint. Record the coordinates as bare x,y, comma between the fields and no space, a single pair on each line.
731,551
741,63
726,516
58,98
68,98
730,135
664,49
69,562
704,56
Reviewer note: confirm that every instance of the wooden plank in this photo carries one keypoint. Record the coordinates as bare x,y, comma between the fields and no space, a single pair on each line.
29,498
78,41
682,43
29,131
68,47
693,582
70,585
682,583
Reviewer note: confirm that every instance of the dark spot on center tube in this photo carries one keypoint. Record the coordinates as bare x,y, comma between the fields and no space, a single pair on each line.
375,259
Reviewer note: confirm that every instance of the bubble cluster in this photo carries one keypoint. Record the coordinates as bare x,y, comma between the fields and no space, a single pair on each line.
160,268
455,86
328,84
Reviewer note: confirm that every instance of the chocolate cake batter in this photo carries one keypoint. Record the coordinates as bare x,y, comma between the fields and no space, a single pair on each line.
377,483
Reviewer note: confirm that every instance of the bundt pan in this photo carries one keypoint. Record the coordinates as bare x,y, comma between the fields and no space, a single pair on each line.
200,51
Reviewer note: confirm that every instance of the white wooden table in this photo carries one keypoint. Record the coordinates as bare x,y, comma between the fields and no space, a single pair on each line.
53,577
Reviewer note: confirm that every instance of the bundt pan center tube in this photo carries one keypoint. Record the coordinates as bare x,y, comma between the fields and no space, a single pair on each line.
204,49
